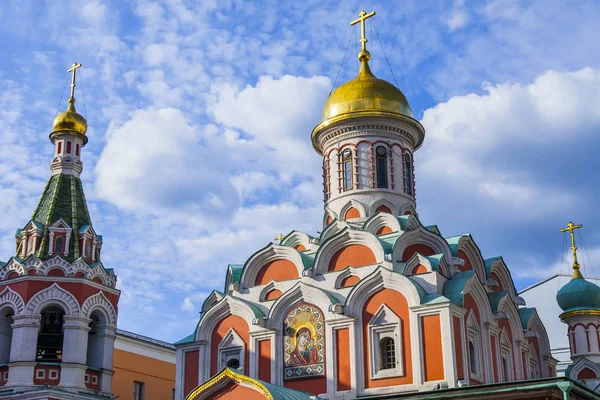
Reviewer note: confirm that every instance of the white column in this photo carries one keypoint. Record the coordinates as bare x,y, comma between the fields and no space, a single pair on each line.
108,338
73,365
23,350
51,243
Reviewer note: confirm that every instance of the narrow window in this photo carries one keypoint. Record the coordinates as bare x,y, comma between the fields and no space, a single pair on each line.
68,147
77,149
138,390
472,358
347,169
408,175
381,162
50,337
87,249
59,150
30,245
59,245
387,350
505,369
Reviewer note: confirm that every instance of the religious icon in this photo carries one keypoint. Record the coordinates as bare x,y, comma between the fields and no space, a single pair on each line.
304,342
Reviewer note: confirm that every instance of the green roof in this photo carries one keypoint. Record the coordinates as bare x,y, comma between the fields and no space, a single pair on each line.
495,298
188,339
453,243
62,198
525,314
2,264
453,288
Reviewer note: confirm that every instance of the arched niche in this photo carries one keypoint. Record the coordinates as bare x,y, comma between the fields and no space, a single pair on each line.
300,241
273,262
379,221
383,206
335,247
353,209
497,270
421,239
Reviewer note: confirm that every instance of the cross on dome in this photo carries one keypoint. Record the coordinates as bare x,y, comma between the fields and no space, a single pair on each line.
362,17
73,69
571,228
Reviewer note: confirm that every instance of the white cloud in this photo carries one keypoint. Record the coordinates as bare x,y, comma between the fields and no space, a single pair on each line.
156,163
476,145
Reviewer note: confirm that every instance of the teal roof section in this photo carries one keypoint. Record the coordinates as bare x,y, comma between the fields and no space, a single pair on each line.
525,315
488,265
83,228
2,264
308,260
453,288
434,260
495,298
283,393
453,243
579,294
258,313
62,198
236,272
433,228
187,339
403,220
388,243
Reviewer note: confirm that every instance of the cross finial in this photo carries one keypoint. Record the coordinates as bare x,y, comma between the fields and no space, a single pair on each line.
571,228
279,237
73,70
361,18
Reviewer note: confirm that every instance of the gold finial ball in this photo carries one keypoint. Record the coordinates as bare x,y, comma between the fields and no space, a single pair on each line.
70,120
364,55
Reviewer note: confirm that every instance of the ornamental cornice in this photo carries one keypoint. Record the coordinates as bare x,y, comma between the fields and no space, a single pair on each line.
576,313
227,374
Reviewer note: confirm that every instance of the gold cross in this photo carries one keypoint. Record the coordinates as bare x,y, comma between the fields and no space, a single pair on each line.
73,69
571,228
361,18
279,237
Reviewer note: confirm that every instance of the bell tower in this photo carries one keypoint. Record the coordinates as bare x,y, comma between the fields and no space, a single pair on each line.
367,137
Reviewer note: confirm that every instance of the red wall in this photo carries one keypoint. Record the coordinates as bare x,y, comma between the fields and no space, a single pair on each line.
190,378
432,348
230,322
278,270
354,255
264,360
398,304
458,349
343,379
416,248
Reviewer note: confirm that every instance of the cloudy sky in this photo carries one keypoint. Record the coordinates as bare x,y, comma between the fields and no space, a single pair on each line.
200,115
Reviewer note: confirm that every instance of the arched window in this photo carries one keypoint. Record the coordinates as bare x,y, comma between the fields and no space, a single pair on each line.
347,169
505,369
87,249
6,321
233,363
30,244
387,350
381,167
50,337
408,175
59,245
96,340
472,358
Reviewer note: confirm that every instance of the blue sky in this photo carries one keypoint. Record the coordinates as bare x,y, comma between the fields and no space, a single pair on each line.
200,114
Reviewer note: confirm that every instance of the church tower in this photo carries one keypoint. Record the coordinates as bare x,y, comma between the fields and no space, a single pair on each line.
580,301
367,137
58,303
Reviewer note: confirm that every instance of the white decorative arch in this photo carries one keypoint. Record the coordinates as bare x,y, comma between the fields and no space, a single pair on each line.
32,261
302,293
271,252
9,297
81,266
422,235
383,202
410,209
580,365
479,295
467,245
355,204
213,298
379,220
99,302
343,239
56,263
100,272
347,272
381,278
329,213
418,259
273,285
12,266
53,295
508,349
296,238
333,229
227,306
535,325
500,269
509,308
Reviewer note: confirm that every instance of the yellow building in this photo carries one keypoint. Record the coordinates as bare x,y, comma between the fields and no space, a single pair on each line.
144,368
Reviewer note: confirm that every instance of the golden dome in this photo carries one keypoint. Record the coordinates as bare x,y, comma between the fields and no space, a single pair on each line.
70,120
366,93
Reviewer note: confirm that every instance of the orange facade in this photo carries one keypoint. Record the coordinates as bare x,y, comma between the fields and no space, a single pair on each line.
157,376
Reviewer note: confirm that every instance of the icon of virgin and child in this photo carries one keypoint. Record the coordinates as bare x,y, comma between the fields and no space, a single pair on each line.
305,352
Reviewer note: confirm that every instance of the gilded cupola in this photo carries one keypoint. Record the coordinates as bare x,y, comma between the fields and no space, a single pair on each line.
365,96
70,120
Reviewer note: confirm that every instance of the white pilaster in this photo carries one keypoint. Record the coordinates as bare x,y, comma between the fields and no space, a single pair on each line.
23,350
74,351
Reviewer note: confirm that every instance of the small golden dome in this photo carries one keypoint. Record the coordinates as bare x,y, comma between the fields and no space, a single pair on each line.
366,93
70,120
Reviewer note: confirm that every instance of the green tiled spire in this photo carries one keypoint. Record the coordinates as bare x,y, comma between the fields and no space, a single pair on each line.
62,198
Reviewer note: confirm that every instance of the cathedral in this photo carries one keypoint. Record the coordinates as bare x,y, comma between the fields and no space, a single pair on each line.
377,304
